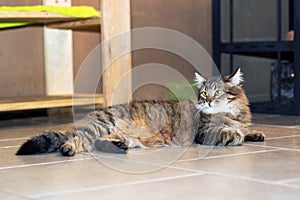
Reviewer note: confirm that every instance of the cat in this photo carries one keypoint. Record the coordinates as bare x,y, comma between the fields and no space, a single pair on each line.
221,116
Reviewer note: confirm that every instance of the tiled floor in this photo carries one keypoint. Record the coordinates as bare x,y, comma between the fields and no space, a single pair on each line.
267,170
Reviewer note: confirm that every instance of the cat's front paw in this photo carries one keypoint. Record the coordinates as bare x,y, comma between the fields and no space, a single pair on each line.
68,149
230,137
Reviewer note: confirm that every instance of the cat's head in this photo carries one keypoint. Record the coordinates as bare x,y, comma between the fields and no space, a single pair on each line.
221,94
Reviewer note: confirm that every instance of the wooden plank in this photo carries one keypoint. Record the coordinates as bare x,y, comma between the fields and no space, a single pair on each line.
58,50
115,20
38,102
91,24
34,16
52,20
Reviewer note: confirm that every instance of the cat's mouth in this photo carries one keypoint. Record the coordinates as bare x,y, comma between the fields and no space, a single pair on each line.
212,107
209,105
206,105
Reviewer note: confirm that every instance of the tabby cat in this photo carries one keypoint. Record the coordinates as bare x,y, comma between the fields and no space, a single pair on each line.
221,116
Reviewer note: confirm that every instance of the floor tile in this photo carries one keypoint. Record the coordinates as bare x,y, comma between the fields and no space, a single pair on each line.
154,158
8,196
71,176
293,182
271,166
131,162
26,132
8,159
36,121
289,142
206,152
281,120
11,143
169,155
194,187
276,131
267,169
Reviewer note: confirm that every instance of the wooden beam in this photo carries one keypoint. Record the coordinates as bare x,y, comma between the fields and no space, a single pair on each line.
58,50
33,16
115,20
91,24
38,102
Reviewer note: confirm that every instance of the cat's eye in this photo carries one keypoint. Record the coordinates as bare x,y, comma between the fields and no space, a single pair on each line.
218,93
204,93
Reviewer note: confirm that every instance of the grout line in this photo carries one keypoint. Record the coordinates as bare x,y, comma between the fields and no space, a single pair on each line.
272,147
14,139
240,154
186,169
241,178
118,185
191,159
290,180
45,163
254,180
275,126
161,165
290,185
14,194
187,160
8,147
282,137
226,155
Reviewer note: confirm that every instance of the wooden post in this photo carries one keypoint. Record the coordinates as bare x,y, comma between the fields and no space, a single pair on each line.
58,56
58,53
115,19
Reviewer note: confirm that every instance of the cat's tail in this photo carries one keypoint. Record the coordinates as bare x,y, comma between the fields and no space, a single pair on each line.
45,143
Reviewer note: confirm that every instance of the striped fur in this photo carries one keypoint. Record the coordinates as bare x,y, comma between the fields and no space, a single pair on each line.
138,124
221,119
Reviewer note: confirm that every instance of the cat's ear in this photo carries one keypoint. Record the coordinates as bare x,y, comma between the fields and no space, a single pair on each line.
237,77
199,79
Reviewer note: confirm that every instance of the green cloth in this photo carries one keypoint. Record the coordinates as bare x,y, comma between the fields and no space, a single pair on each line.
74,11
185,90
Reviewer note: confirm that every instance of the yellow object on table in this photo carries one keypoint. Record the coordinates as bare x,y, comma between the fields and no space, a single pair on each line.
74,11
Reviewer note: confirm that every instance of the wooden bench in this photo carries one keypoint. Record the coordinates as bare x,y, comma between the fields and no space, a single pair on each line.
115,18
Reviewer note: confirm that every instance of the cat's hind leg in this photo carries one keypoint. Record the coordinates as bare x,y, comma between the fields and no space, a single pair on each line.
68,149
113,143
254,136
74,143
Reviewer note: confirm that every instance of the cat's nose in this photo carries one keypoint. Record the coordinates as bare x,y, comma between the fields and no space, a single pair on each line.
208,100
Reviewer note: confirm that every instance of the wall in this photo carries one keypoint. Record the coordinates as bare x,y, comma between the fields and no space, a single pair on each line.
84,42
21,50
190,17
21,58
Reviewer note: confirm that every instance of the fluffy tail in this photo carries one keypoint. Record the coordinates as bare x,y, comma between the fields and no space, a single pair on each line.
45,143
